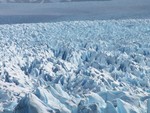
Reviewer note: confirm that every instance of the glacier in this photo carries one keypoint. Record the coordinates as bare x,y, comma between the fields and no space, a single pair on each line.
100,66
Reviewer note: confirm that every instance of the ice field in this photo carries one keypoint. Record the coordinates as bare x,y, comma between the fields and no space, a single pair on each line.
100,66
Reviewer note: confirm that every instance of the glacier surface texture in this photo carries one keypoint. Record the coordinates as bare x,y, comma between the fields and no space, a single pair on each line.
75,67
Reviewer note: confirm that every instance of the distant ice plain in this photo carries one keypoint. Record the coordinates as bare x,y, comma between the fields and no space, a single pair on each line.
68,11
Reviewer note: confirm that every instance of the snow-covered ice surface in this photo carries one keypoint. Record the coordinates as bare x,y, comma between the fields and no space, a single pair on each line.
75,67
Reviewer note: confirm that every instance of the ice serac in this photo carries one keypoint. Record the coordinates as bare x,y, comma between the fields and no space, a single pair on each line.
93,103
53,99
124,107
110,108
31,104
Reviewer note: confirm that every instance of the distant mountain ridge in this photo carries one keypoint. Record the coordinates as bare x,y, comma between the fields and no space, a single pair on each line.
43,1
